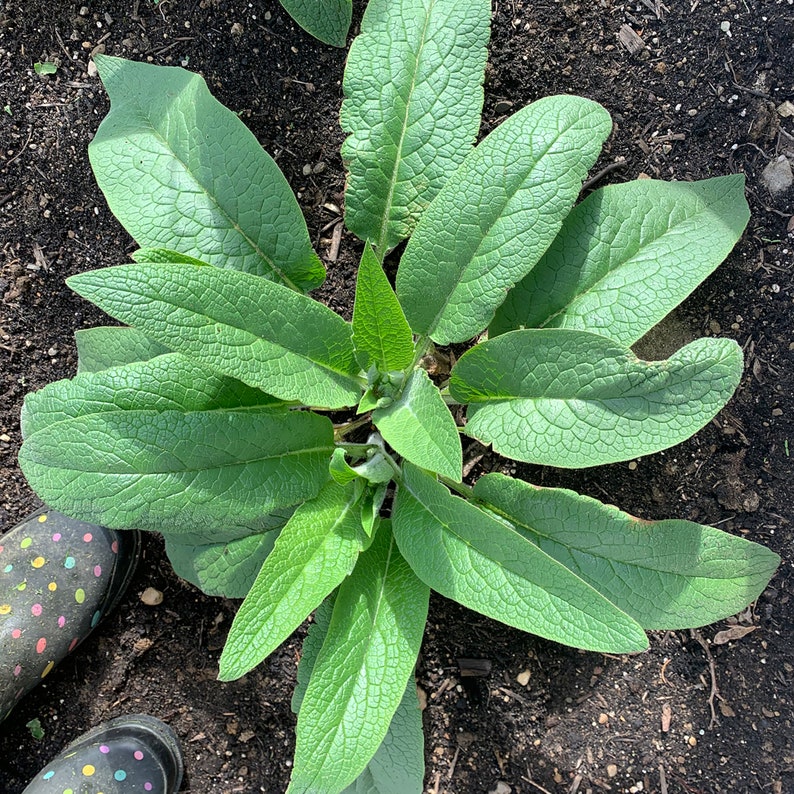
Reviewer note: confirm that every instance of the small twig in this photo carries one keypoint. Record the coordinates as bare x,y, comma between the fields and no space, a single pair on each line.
21,151
436,784
454,763
617,165
662,780
753,91
715,692
537,786
336,241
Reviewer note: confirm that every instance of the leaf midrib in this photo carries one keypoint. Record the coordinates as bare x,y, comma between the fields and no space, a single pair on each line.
612,562
213,321
626,263
448,528
331,735
384,228
495,219
233,223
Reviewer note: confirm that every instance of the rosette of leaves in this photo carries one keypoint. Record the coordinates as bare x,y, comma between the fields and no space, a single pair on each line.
308,464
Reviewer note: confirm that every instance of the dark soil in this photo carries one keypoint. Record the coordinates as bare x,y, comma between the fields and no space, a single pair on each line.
687,716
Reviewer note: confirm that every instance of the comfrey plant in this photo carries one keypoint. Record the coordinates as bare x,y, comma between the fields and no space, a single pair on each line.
307,463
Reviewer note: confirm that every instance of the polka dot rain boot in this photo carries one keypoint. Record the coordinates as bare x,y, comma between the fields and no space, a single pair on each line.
58,577
136,754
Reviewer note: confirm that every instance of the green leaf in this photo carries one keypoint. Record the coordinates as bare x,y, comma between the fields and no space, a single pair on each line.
413,88
42,68
111,346
340,469
166,382
326,20
568,398
240,325
315,551
182,172
398,766
179,470
368,402
227,568
360,675
420,427
627,255
496,216
485,564
165,255
665,574
310,650
381,334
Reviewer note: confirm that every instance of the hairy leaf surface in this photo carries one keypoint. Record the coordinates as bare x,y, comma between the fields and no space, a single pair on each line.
113,345
326,20
314,552
485,564
496,216
627,255
226,568
240,325
177,470
310,650
360,675
420,427
413,88
665,574
381,334
569,398
182,172
168,382
398,766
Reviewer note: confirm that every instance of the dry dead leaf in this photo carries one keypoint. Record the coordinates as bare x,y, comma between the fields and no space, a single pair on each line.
667,716
733,633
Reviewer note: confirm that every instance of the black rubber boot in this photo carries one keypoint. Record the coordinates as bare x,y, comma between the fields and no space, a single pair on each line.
58,577
136,754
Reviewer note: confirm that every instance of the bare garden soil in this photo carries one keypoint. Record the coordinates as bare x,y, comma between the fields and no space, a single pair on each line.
695,714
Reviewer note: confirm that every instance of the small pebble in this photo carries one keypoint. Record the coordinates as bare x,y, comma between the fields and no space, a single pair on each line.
612,770
151,597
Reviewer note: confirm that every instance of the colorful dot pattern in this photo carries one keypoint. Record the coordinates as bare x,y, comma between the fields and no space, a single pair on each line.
118,765
54,579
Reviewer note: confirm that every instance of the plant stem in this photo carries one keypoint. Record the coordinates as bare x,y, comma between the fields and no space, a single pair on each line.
464,490
340,431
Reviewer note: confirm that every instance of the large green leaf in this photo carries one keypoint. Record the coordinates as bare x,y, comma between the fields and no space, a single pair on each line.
381,334
243,326
310,650
420,427
227,568
398,766
315,551
326,20
179,470
167,382
665,574
627,255
111,346
180,171
496,216
413,88
568,398
360,675
485,564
